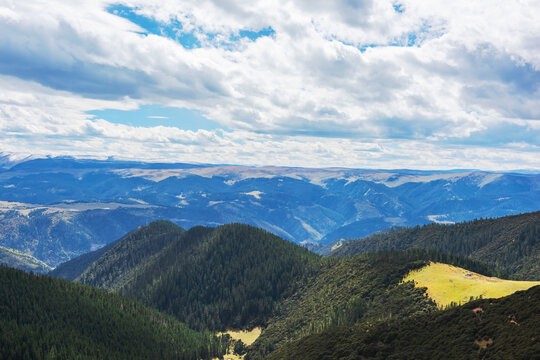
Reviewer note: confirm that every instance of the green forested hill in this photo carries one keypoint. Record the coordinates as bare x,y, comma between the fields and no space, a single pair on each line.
505,328
73,268
344,291
47,318
20,260
117,266
123,255
509,244
237,276
210,278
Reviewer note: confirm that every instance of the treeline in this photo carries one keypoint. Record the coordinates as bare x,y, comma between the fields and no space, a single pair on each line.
509,244
503,328
47,318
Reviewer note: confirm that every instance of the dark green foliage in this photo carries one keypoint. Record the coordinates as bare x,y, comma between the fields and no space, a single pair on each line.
210,278
237,276
509,244
507,328
239,347
43,317
117,266
343,292
73,268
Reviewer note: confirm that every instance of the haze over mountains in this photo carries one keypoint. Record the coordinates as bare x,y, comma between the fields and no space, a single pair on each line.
58,208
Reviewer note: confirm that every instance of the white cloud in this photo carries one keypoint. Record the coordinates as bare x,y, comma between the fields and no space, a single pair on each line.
334,85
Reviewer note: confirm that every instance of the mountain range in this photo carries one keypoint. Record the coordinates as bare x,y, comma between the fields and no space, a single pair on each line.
237,276
58,208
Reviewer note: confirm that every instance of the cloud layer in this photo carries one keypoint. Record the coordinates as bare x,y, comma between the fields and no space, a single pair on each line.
360,83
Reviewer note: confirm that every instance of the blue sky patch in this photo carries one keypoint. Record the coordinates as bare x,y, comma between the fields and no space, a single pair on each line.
172,29
254,35
398,8
156,115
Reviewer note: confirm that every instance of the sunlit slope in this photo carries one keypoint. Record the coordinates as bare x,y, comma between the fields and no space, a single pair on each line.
448,284
20,260
248,337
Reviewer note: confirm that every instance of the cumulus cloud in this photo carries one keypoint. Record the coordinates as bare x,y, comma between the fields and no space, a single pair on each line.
360,83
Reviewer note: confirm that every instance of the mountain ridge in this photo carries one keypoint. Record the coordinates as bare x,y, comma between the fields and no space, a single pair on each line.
70,200
510,244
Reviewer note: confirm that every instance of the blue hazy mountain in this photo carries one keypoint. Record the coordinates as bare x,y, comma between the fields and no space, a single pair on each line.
58,208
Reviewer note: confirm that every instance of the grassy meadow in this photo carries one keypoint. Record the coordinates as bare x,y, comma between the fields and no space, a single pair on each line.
448,284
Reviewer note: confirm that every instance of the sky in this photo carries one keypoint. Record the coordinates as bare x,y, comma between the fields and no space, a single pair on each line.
432,84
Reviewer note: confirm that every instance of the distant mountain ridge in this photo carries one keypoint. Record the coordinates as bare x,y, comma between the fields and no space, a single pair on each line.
20,260
72,206
510,244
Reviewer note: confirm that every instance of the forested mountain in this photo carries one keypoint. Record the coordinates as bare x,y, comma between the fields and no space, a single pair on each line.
211,278
121,257
58,208
505,328
20,260
345,291
509,244
46,318
73,268
117,266
237,276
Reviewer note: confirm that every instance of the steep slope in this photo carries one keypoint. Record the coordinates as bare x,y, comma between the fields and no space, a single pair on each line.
73,268
210,278
505,328
43,317
123,255
345,291
22,261
117,266
510,244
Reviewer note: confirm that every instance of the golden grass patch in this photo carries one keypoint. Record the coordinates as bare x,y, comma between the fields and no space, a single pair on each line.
247,337
448,284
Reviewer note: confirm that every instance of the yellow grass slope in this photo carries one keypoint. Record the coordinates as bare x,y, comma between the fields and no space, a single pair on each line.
446,284
247,337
